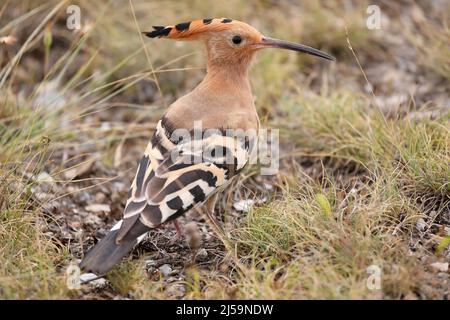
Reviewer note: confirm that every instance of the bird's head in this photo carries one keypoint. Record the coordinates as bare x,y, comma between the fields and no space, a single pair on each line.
229,41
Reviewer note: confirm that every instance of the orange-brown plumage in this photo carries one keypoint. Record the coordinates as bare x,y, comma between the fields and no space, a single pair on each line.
168,185
194,29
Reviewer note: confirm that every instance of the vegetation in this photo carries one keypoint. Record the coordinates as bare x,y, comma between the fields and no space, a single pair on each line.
365,151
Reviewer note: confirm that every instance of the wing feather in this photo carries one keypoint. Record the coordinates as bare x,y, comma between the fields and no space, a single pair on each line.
173,178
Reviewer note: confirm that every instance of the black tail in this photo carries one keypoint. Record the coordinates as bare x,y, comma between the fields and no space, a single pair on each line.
107,253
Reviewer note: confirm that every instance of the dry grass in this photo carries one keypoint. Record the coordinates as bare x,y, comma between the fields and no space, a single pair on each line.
76,109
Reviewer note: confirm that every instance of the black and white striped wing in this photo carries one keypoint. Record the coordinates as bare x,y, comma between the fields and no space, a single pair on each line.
171,179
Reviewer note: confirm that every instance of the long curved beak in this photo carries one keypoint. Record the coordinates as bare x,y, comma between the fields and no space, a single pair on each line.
267,42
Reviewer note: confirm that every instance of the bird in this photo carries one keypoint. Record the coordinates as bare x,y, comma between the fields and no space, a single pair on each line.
194,153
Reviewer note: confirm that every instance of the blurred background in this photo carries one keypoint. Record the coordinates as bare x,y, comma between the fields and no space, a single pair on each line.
364,145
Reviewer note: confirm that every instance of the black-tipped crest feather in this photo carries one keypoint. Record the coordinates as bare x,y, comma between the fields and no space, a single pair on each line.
160,31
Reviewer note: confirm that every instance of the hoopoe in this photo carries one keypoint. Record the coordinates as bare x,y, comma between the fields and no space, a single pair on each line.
182,171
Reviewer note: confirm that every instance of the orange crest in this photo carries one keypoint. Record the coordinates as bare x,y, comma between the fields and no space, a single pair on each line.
191,29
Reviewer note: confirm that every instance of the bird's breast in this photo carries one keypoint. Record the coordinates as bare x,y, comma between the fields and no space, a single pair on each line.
213,116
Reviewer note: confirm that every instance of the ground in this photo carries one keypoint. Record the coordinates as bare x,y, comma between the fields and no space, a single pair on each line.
364,179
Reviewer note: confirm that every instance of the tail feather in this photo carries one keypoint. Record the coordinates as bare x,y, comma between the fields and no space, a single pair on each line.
107,253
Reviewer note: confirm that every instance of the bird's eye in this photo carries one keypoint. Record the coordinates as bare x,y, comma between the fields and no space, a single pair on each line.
236,39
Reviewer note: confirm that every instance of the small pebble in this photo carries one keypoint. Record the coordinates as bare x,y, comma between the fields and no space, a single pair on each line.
45,177
440,266
165,269
421,224
176,290
97,283
100,197
98,208
243,205
202,254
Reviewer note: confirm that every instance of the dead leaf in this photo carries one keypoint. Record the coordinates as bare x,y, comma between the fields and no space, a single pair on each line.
78,170
118,155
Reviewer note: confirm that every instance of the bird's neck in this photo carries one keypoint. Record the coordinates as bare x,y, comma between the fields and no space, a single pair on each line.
222,100
228,78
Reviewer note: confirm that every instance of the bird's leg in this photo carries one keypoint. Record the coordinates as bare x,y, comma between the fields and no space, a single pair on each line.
179,233
208,209
178,228
221,234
